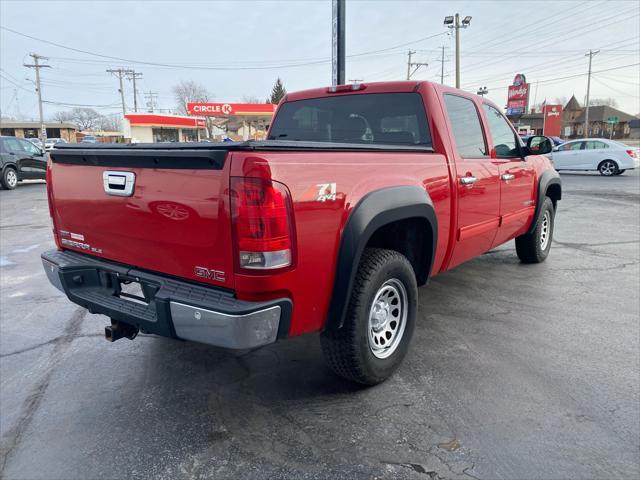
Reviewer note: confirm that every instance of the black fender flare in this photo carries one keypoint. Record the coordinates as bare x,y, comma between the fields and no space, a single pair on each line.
374,210
546,180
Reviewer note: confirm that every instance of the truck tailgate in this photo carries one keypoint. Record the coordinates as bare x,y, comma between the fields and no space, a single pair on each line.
175,220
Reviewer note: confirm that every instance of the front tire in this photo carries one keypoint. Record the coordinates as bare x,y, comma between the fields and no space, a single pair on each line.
534,247
620,172
608,168
9,178
379,322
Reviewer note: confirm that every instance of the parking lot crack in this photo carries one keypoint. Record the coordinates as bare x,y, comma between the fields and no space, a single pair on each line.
34,399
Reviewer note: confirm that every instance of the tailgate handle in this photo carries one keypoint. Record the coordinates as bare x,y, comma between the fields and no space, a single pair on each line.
119,183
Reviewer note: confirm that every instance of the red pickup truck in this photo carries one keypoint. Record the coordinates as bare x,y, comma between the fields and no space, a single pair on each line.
359,195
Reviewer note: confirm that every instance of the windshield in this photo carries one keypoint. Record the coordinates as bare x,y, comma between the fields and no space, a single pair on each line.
381,118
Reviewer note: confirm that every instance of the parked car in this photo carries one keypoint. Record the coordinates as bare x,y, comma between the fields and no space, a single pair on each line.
49,143
20,160
606,156
556,140
89,139
330,226
37,142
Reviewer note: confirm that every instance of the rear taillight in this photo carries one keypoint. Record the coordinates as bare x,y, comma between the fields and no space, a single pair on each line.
262,217
632,154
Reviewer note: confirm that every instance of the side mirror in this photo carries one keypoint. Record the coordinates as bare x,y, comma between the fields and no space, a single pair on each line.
539,145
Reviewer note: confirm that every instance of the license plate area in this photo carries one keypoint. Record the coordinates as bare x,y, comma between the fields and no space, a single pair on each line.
132,290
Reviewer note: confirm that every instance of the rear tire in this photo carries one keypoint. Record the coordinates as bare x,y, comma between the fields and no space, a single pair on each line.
620,172
9,178
534,247
608,168
379,322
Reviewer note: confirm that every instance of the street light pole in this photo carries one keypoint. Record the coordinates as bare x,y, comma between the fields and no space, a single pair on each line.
338,43
453,22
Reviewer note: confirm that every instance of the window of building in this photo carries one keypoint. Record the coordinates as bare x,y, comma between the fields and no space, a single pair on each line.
8,132
189,135
30,132
52,133
164,135
467,129
504,138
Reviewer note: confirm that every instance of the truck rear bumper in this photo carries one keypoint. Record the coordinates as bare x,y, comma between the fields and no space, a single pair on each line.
167,306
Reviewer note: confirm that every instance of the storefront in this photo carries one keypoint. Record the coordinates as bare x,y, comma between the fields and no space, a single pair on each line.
241,121
156,128
66,131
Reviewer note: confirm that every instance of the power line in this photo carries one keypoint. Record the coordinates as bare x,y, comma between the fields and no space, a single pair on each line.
205,67
120,73
151,100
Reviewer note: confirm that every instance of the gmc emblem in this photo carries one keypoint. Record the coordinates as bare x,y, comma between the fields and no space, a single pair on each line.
207,273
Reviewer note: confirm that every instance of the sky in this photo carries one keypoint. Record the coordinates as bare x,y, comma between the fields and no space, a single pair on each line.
238,48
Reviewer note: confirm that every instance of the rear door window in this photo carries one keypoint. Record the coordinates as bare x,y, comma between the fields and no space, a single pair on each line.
467,129
595,145
570,146
375,118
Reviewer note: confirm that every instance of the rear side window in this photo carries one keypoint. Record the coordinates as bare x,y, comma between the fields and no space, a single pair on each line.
467,130
595,145
375,118
504,138
571,146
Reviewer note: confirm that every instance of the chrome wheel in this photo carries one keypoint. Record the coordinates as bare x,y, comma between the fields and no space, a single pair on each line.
387,318
545,231
608,168
11,178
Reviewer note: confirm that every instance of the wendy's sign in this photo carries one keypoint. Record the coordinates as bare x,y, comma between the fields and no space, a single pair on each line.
518,96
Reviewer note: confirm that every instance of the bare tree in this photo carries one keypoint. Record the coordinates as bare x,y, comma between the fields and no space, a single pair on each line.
191,91
110,123
595,102
63,116
250,99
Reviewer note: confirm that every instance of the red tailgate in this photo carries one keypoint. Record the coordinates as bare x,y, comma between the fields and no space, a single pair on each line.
176,220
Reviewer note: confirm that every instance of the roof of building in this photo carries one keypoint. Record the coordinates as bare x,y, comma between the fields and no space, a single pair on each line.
600,113
572,104
5,123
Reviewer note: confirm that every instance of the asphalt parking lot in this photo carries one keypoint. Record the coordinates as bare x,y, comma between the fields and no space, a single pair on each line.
515,371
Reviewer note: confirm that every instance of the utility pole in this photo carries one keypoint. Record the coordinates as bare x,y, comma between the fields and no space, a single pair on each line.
338,42
453,22
586,112
413,64
442,67
133,75
120,73
151,100
37,66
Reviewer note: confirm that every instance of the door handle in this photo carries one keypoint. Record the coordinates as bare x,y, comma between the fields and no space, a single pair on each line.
507,176
468,180
120,184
